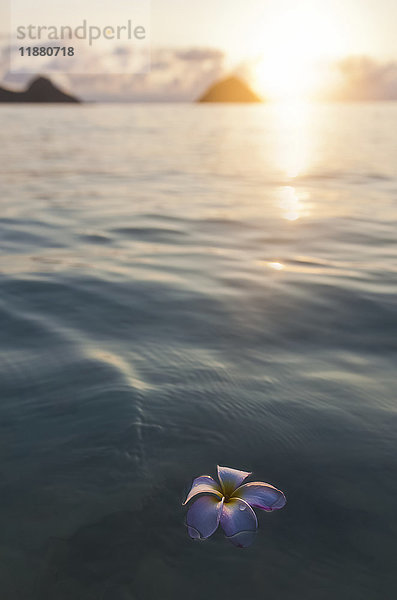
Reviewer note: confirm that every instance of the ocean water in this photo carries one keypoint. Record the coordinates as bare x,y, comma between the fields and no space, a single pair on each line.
183,286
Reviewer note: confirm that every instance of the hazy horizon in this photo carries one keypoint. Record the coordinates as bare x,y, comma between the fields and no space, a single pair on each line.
184,75
329,50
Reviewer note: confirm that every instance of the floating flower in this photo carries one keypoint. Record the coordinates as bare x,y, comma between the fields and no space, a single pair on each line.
230,504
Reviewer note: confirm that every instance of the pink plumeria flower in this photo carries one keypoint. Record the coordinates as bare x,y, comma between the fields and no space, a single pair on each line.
230,504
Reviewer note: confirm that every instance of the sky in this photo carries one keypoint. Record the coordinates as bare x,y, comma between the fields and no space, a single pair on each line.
285,48
240,27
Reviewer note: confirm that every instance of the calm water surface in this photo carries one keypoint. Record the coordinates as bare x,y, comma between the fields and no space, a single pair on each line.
183,286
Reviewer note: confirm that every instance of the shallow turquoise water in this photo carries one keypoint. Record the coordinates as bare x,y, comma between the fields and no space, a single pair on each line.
183,286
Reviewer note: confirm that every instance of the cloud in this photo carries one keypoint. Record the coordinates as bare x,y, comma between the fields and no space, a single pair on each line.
174,75
363,78
199,54
183,74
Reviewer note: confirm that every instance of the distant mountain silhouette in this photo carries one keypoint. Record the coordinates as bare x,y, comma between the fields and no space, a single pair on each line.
39,90
231,89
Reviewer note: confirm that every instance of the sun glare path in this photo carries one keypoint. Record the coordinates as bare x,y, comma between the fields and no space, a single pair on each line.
293,148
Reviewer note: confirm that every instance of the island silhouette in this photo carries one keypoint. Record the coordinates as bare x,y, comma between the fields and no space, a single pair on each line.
230,89
40,89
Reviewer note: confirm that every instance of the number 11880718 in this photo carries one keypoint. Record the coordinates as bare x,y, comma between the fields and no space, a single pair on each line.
46,51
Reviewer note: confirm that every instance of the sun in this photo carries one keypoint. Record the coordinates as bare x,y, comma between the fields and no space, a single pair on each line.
294,48
286,78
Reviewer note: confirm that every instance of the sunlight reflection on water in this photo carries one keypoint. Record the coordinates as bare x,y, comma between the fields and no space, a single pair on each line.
296,128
